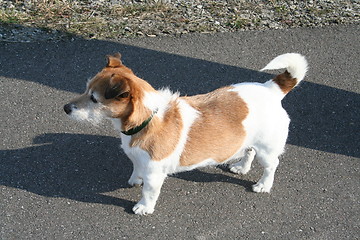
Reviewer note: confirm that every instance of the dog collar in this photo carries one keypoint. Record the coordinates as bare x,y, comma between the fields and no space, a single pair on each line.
137,129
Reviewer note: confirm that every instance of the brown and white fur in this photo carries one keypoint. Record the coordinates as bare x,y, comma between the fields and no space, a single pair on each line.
238,122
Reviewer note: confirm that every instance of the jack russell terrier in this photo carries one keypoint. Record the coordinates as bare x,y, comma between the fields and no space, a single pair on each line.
163,133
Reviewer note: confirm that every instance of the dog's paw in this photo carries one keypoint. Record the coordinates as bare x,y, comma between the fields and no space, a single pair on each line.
239,169
260,187
141,209
135,182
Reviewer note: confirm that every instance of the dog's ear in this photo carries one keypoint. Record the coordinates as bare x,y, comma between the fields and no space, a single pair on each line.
118,88
114,61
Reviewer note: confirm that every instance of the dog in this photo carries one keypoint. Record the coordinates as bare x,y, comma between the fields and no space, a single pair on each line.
163,133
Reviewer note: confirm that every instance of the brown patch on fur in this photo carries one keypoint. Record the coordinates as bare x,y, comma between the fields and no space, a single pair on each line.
285,81
218,132
139,112
162,136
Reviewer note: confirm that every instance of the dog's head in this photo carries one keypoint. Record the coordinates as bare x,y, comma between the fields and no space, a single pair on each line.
115,92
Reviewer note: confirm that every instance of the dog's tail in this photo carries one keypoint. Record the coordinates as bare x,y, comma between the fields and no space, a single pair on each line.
296,67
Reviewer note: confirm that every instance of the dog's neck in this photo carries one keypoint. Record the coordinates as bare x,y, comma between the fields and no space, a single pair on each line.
160,133
148,113
140,127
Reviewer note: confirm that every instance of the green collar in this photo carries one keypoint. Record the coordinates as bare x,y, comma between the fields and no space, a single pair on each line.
137,129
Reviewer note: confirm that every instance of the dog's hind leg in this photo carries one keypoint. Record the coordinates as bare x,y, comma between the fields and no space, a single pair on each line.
135,178
244,165
266,181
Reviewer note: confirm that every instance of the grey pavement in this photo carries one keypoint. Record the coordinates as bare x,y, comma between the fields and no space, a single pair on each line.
60,179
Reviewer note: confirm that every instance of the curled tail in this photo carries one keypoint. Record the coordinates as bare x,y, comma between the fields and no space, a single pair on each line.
296,67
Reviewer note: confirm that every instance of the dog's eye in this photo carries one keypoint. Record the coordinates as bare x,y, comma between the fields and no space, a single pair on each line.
93,99
123,95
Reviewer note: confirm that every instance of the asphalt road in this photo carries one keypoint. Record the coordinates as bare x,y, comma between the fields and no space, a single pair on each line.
64,180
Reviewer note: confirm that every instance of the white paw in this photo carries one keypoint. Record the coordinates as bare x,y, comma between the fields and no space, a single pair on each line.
135,181
260,187
141,209
239,169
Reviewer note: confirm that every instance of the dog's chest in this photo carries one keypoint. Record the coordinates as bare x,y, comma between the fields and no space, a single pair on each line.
135,154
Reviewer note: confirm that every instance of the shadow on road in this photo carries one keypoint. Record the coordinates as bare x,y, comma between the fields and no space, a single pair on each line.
74,166
324,118
204,177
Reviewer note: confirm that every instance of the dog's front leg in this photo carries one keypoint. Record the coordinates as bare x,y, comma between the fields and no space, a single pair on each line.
150,193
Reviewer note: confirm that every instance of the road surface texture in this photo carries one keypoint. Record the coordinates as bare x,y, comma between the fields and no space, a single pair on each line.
60,179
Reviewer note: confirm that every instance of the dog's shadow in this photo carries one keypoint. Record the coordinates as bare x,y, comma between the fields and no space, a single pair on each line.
225,176
74,166
82,168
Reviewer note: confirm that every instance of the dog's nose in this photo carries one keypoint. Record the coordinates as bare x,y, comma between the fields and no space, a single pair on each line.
68,108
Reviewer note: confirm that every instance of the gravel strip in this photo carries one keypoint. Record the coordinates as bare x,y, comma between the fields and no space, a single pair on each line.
39,20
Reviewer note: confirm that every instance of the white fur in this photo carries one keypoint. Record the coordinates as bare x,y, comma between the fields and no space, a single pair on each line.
243,167
294,63
159,101
267,129
89,113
